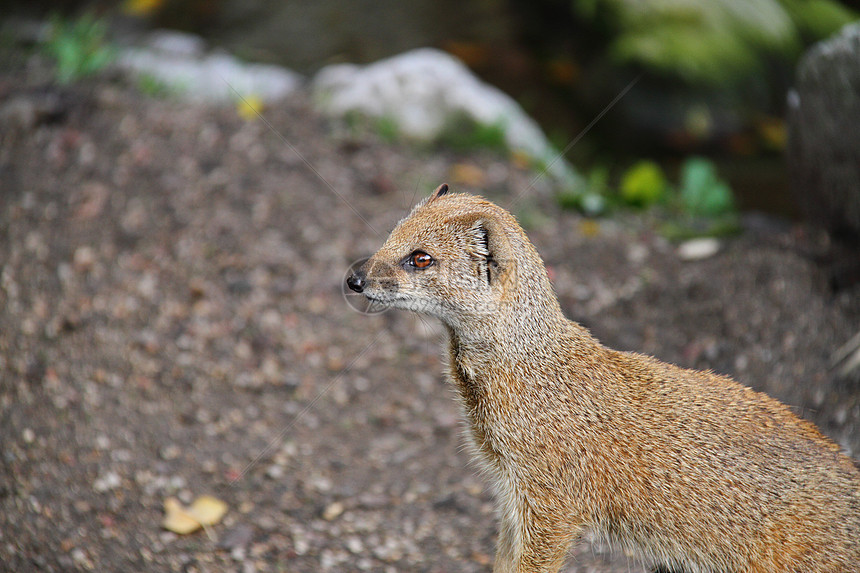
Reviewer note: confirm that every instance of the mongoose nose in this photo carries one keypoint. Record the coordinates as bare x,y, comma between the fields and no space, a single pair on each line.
357,281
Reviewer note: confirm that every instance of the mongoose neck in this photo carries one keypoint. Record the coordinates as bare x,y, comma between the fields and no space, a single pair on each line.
526,321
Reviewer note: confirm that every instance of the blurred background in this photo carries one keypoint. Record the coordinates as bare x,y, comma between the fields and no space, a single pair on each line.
713,75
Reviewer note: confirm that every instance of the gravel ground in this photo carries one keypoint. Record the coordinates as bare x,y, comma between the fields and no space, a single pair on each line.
173,323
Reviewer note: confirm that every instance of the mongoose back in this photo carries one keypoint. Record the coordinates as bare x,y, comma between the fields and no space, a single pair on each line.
692,469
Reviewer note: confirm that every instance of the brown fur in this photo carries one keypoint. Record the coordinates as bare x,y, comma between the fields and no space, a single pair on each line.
692,469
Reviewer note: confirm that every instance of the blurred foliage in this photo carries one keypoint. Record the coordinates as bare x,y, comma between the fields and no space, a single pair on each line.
818,19
462,133
712,42
388,129
594,198
702,192
644,184
701,204
151,86
79,47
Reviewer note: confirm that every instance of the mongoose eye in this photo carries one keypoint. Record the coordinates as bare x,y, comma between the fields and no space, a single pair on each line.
419,260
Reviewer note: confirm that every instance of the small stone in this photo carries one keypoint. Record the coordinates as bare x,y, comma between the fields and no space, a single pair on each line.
107,482
238,553
698,249
321,484
333,511
275,471
84,259
354,545
170,452
79,556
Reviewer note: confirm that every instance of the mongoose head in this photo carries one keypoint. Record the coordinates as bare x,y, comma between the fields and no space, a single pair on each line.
457,257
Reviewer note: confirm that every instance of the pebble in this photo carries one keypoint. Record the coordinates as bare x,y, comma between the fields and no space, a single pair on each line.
170,452
107,482
354,545
333,511
698,249
275,471
84,259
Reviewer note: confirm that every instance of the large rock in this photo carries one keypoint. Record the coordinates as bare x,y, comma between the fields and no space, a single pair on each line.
181,62
423,92
824,139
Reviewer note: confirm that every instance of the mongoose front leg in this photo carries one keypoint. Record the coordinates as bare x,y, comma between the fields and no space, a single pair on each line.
531,543
507,548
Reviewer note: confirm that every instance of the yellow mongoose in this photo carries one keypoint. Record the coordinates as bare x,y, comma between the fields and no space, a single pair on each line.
696,471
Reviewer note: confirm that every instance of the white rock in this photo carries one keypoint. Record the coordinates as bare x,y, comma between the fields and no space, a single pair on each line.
424,90
171,42
179,61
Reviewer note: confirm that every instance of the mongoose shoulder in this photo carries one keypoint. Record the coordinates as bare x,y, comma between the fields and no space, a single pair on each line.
692,469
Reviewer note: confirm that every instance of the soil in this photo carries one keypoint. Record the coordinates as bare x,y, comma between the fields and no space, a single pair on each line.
173,323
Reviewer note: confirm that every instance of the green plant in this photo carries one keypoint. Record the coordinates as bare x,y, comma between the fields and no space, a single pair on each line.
703,193
152,86
461,132
643,185
715,43
591,198
387,128
701,205
79,47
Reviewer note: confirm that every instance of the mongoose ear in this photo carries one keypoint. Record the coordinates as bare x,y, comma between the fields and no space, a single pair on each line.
440,191
489,248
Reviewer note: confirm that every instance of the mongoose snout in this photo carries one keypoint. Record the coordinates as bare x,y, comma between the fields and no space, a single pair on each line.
357,280
692,469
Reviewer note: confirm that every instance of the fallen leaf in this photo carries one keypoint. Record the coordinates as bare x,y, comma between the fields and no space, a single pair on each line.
177,519
208,510
204,511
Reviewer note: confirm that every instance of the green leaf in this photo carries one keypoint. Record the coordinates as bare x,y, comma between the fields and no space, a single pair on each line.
643,185
703,194
79,48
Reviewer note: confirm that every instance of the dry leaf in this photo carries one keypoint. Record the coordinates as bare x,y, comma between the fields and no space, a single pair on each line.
208,510
177,519
204,511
